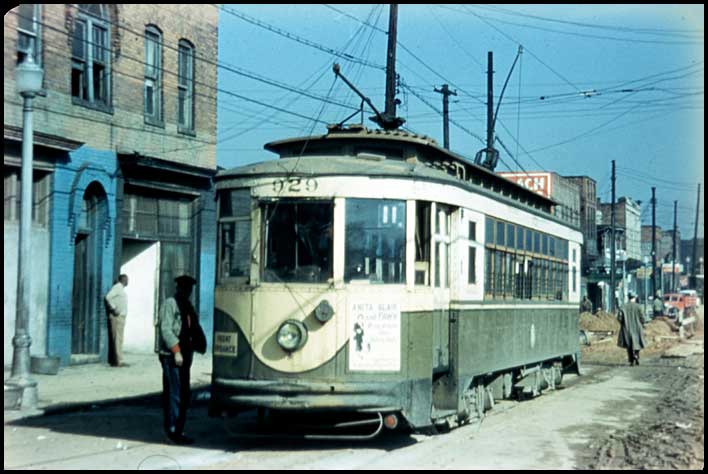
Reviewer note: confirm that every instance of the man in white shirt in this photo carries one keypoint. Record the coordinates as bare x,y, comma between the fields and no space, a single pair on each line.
117,305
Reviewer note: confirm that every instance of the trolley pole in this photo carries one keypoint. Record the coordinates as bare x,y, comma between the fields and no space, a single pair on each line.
653,240
612,244
490,103
446,93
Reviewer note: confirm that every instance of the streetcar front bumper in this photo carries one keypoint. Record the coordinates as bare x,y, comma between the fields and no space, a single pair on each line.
293,395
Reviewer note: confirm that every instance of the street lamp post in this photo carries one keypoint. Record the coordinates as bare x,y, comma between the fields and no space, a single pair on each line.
28,80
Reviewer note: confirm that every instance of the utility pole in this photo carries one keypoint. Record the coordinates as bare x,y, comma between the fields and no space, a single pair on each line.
653,240
612,244
673,252
446,92
692,280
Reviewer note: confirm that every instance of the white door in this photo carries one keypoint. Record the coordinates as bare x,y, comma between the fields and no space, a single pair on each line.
140,263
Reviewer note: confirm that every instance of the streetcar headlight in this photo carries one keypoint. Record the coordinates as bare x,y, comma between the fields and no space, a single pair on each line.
292,335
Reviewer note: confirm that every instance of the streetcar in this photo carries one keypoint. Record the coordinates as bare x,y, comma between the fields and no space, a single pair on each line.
376,273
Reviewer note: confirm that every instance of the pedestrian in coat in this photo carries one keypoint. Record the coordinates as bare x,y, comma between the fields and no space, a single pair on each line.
658,305
117,305
585,305
178,336
631,335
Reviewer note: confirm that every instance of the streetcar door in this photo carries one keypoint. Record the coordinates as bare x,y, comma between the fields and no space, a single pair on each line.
442,282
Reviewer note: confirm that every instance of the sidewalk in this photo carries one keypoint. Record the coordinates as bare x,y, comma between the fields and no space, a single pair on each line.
82,386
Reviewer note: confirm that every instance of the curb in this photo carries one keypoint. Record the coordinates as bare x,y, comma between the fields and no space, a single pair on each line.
201,394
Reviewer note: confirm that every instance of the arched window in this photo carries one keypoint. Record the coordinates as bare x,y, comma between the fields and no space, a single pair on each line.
91,56
185,85
28,32
153,75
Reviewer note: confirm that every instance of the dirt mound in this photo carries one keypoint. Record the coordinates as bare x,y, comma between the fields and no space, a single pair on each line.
600,321
661,326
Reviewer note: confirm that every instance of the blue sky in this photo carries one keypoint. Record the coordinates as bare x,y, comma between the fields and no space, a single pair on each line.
622,82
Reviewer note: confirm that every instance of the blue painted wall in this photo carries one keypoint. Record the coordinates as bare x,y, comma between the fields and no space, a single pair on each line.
207,264
70,181
85,166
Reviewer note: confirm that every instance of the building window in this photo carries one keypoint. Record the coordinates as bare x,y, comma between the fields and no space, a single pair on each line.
153,75
375,242
185,85
41,191
153,216
90,52
298,241
28,32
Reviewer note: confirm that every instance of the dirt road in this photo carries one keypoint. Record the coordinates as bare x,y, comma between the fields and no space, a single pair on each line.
614,416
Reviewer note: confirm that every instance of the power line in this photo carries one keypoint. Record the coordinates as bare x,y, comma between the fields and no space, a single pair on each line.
559,75
650,31
205,85
219,64
454,122
587,35
299,39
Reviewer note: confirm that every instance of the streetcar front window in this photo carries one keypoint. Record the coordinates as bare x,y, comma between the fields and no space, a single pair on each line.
298,241
375,248
234,233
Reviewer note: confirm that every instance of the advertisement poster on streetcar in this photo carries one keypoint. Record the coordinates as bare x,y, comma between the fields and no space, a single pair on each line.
375,337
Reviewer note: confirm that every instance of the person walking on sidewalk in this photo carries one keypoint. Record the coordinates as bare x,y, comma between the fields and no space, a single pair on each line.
117,305
178,336
658,305
631,335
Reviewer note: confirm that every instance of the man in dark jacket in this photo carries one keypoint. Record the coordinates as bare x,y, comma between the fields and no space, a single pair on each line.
631,336
179,335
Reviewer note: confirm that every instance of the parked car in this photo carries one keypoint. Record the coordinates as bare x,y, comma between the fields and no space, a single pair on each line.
680,305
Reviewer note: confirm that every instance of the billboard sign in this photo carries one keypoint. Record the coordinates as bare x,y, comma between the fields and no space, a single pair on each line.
537,182
666,268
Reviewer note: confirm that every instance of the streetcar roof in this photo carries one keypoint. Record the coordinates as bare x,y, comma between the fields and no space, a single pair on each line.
359,151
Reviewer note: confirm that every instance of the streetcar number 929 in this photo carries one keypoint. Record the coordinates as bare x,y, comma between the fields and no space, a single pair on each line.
295,185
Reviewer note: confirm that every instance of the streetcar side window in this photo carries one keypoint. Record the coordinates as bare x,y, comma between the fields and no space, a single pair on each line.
297,241
441,240
234,233
375,241
521,263
422,243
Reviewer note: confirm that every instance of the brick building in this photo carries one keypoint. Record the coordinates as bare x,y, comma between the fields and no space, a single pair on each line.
563,191
588,213
124,153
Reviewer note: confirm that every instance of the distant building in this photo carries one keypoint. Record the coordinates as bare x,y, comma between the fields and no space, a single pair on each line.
627,218
588,216
565,192
124,154
667,245
687,252
647,241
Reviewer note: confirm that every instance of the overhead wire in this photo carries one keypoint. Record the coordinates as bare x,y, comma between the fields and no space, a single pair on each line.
650,31
588,35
